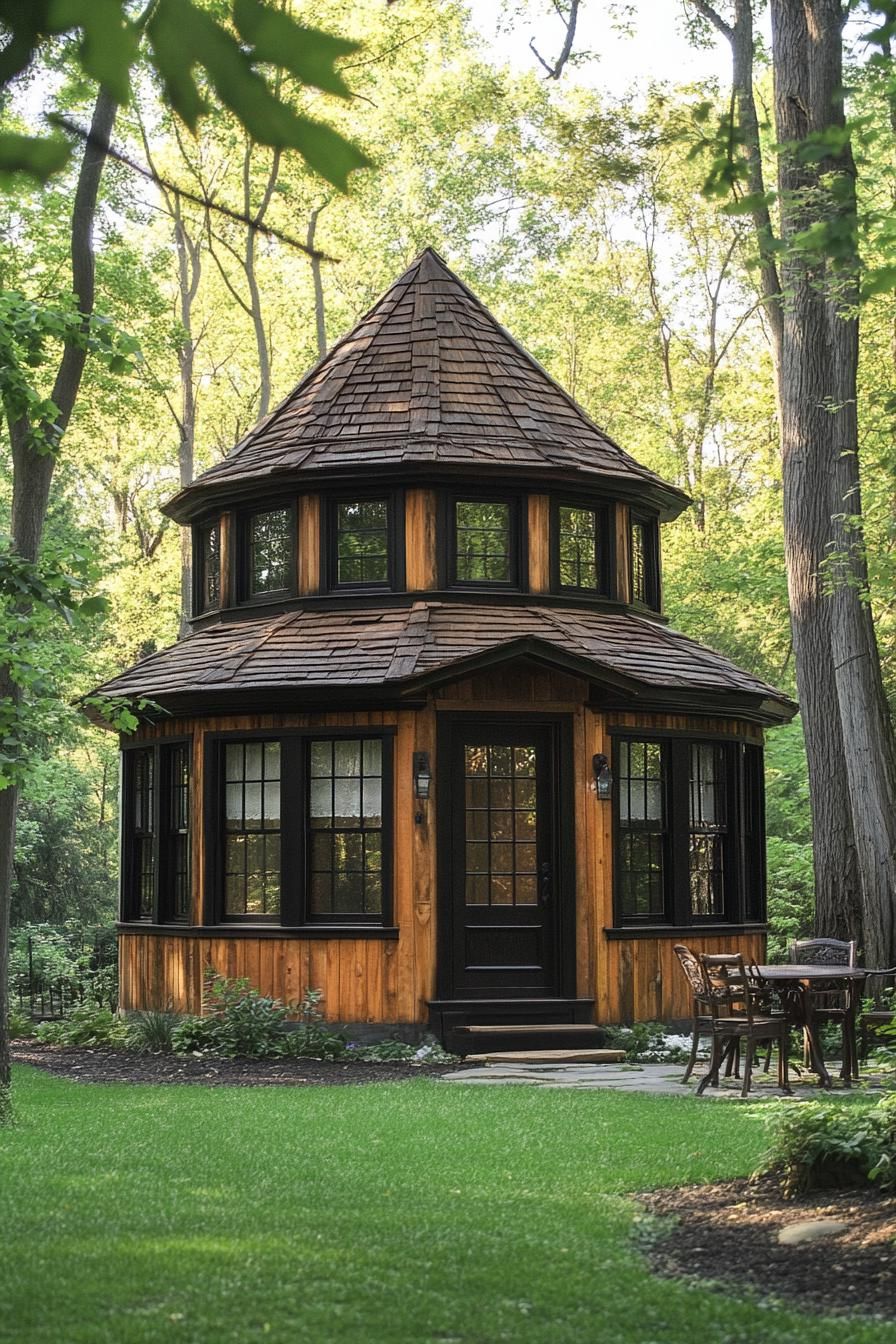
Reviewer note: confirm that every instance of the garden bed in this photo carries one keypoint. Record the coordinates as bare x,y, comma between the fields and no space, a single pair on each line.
728,1232
104,1064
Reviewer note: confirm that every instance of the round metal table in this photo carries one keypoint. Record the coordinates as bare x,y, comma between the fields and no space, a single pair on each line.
795,984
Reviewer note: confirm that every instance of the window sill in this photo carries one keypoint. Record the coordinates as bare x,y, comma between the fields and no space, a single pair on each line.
383,932
681,931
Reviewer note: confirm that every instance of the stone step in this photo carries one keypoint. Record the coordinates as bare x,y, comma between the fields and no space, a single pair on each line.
549,1057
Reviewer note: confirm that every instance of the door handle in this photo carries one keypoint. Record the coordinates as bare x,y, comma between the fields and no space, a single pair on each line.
545,883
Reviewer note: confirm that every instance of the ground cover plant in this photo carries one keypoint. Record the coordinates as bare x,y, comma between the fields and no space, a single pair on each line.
410,1212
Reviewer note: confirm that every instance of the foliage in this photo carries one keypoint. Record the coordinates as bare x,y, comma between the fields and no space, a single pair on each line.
388,1052
649,1043
86,1024
182,36
239,1021
20,1023
75,958
818,1144
151,1032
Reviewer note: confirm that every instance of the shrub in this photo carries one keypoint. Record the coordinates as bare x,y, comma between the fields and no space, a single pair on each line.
821,1144
242,1021
312,1037
88,1024
151,1032
193,1035
20,1024
387,1052
649,1043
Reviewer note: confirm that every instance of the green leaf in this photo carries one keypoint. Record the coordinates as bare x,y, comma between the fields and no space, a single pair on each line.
38,156
175,58
109,44
879,281
307,53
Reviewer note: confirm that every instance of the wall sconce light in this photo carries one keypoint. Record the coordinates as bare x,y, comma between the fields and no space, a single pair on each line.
603,776
422,774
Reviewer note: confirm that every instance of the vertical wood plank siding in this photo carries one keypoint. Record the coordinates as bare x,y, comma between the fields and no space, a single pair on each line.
421,568
226,550
539,543
373,980
623,553
308,548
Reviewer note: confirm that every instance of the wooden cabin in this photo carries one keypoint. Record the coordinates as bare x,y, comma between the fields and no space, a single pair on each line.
431,746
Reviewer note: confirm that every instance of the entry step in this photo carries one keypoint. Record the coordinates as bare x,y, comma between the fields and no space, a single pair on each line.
531,1028
549,1057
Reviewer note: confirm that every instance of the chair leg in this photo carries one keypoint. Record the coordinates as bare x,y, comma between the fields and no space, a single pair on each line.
693,1059
748,1067
784,1062
712,1075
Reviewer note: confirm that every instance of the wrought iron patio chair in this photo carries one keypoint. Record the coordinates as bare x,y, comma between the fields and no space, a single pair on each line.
701,1015
737,1016
830,1005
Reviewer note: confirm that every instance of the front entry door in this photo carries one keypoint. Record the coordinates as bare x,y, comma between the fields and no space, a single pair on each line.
502,898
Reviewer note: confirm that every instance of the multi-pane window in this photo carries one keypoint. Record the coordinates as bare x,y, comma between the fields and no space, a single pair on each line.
251,829
156,832
362,541
689,833
269,552
708,828
142,832
304,836
176,760
483,538
345,828
209,585
642,829
577,542
500,801
643,561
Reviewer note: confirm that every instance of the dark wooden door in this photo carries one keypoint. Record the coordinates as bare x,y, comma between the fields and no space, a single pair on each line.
501,878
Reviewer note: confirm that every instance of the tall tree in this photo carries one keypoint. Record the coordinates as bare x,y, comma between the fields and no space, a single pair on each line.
850,742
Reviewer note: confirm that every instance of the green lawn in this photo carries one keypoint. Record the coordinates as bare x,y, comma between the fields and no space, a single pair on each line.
397,1212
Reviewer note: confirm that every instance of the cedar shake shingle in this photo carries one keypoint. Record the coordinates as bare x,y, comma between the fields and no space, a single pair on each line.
427,377
401,649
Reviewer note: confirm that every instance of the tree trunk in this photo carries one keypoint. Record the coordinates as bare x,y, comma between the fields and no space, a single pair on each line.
320,323
32,476
849,737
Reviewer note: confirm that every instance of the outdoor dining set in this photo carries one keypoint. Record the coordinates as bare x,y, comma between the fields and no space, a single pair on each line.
739,1006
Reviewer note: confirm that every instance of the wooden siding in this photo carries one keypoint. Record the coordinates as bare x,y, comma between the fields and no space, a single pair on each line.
623,553
539,543
421,566
308,544
227,548
369,980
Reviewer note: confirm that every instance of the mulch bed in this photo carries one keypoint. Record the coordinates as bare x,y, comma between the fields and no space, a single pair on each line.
728,1233
105,1065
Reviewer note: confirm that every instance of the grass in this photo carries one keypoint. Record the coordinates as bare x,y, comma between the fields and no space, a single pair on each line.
409,1212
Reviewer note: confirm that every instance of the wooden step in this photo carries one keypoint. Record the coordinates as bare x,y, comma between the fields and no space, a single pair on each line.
549,1057
497,1038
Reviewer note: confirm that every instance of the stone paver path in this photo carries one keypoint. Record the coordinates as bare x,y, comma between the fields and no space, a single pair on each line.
657,1078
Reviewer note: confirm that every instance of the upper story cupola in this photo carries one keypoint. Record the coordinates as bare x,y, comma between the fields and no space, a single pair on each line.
428,452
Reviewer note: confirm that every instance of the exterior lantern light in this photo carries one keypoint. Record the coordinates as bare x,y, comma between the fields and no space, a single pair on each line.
603,776
422,774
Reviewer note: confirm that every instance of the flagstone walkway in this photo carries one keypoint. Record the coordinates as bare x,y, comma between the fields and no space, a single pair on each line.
664,1079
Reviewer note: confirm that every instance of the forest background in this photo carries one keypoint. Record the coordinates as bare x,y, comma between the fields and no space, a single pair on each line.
580,217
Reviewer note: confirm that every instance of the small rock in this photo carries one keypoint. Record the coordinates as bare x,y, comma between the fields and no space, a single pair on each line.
813,1230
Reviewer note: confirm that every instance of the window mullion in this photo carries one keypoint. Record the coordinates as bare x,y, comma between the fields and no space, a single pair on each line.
678,890
293,825
158,849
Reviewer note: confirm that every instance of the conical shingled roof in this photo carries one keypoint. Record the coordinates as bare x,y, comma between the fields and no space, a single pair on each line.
428,379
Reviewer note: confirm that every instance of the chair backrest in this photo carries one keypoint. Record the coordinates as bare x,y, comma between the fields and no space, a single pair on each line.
823,952
726,984
692,969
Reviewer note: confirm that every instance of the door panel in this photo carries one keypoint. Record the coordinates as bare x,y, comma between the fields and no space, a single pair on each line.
500,882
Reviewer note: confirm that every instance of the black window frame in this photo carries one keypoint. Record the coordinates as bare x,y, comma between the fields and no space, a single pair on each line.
395,541
603,539
200,530
744,842
653,592
295,848
161,753
245,596
518,554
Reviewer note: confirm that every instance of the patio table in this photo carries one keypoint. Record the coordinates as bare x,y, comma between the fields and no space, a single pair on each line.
795,984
